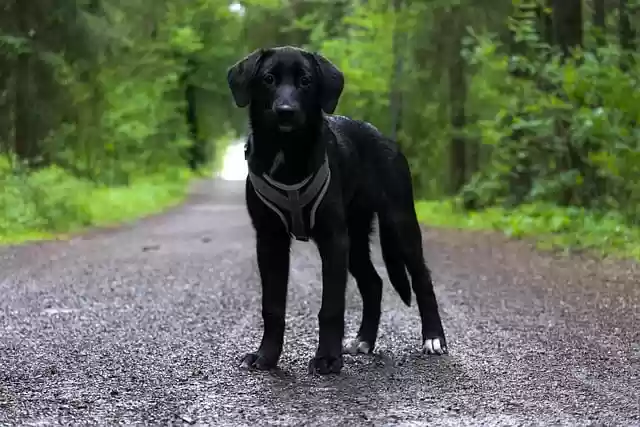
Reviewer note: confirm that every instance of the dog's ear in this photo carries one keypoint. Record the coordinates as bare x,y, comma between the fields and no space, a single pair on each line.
332,83
239,77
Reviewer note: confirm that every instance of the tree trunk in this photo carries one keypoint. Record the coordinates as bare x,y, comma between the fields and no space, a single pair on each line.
457,100
626,34
25,147
567,20
196,152
599,21
395,101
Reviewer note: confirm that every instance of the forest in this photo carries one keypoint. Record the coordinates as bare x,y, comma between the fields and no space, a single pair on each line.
516,116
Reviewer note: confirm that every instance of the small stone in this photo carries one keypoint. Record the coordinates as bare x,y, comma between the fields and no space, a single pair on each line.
187,419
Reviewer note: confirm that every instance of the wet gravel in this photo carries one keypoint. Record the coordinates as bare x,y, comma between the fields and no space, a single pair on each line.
145,325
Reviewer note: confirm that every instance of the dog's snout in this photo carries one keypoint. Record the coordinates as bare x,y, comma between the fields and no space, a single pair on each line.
285,111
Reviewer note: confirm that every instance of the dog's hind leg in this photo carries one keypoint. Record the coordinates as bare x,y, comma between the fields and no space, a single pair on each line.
401,223
368,281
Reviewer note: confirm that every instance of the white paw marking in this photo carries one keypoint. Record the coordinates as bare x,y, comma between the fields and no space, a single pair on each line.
356,346
433,346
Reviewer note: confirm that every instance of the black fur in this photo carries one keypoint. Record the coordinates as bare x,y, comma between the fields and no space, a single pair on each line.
290,94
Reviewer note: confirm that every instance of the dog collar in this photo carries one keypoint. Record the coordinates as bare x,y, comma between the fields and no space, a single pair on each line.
289,202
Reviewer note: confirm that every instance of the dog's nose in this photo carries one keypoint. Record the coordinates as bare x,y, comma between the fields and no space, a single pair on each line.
285,111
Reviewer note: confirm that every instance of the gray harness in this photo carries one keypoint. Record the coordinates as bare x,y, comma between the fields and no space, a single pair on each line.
293,199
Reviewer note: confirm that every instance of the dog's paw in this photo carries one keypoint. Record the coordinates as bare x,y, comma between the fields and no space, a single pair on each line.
434,346
257,361
357,346
325,365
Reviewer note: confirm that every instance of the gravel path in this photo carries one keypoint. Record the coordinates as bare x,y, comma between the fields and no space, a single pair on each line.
145,325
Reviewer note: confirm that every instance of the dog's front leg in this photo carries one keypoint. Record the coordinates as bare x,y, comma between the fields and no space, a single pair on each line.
334,252
273,264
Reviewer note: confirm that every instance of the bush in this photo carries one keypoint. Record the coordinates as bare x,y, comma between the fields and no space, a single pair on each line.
566,136
553,227
52,200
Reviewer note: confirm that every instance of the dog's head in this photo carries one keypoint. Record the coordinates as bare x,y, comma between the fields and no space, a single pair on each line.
286,86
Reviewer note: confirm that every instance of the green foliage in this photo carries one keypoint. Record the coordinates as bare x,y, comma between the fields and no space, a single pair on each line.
93,99
52,201
94,96
577,142
363,54
553,228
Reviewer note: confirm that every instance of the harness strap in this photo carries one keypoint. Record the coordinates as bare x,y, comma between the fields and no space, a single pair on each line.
293,201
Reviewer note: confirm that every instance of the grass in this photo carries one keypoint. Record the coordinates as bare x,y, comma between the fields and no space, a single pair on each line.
52,204
553,228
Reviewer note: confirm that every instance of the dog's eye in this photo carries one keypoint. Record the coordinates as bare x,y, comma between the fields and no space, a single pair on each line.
269,79
305,81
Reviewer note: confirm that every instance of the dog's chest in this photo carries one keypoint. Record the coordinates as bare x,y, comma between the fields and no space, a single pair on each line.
296,205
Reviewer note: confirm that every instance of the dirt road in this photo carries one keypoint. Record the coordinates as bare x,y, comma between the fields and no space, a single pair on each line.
145,325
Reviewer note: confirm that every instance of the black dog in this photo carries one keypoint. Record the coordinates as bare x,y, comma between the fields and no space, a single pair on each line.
324,177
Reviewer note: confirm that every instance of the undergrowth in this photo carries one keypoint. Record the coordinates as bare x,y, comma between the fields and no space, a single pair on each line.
50,202
552,227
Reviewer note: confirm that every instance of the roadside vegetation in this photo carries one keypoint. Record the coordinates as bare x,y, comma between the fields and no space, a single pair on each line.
519,117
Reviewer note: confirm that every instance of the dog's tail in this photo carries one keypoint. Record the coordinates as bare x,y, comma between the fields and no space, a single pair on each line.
400,234
394,261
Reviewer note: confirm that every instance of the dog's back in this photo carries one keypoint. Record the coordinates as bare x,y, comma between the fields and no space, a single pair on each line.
376,174
373,161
